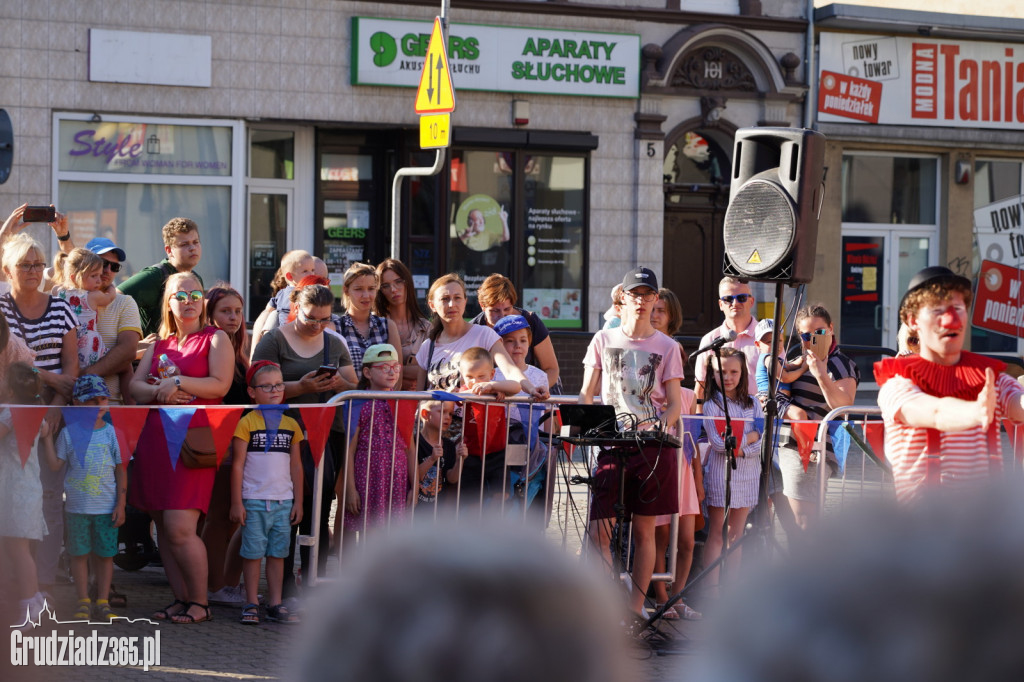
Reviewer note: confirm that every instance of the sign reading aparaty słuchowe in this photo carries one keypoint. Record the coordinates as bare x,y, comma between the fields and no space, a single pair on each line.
391,52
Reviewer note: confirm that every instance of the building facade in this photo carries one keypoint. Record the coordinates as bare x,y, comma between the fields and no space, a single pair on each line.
588,137
923,113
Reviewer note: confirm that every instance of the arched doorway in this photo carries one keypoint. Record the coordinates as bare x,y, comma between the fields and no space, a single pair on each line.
696,182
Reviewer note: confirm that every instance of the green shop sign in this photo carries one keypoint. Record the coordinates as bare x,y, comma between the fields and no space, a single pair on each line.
499,58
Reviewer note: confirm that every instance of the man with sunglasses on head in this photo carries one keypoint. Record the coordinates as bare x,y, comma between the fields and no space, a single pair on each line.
183,249
736,303
943,407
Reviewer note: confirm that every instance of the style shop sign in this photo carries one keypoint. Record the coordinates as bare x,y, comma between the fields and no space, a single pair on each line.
499,58
920,81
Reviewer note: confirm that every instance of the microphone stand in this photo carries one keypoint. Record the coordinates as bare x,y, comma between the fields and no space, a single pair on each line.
763,525
730,454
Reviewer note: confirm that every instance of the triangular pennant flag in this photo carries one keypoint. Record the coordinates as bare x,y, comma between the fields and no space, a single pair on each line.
223,421
1016,433
175,421
350,412
272,421
737,429
689,436
805,432
405,415
840,442
317,420
79,421
445,396
874,434
128,424
26,421
759,424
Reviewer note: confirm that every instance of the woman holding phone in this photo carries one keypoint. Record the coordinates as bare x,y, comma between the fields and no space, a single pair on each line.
315,365
830,381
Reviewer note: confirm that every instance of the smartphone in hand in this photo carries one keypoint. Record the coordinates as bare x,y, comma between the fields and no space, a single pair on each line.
820,344
39,214
326,369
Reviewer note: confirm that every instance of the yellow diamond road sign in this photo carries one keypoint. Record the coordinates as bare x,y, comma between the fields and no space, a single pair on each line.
435,94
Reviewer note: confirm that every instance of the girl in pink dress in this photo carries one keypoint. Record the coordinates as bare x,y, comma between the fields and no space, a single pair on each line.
381,468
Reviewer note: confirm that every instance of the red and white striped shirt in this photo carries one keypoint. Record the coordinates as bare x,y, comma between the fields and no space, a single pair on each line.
964,457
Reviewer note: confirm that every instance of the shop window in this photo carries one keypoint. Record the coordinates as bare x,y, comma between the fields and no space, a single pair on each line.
553,277
480,233
272,154
998,233
889,189
125,178
132,214
521,213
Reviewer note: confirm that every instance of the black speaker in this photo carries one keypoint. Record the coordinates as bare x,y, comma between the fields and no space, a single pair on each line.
771,224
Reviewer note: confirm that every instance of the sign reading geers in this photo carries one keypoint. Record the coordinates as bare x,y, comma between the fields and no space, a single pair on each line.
998,304
924,81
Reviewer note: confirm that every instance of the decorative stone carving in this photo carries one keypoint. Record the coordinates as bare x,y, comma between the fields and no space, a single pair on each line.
713,68
790,62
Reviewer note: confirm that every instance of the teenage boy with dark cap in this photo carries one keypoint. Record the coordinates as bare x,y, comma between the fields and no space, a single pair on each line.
638,370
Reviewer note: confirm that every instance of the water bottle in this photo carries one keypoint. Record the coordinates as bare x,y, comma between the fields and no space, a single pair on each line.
166,368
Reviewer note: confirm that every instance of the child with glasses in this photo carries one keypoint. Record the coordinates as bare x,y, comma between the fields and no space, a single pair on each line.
380,471
266,490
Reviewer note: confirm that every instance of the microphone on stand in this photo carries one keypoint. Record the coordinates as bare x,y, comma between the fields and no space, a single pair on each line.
729,337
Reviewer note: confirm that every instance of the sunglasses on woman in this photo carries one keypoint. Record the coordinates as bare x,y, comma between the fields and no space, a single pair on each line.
806,336
184,296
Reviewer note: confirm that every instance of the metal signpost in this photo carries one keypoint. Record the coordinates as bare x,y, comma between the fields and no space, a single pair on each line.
435,100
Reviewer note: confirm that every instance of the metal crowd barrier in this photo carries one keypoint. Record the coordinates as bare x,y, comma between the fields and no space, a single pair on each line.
875,474
516,455
561,467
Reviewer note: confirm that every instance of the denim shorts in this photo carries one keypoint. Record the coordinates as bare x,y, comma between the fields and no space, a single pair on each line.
267,529
93,533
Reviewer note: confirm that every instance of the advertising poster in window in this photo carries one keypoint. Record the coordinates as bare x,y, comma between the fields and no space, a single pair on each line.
480,229
346,229
555,217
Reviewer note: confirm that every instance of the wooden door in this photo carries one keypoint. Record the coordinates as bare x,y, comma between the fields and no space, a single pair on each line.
693,265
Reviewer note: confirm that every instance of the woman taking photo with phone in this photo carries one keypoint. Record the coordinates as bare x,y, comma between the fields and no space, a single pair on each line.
830,381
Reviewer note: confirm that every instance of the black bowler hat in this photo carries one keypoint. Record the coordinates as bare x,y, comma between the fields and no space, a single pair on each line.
932,275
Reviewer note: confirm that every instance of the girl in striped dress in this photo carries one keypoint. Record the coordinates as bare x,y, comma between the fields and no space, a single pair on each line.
742,406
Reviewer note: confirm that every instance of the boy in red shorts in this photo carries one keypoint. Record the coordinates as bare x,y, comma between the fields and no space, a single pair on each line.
638,370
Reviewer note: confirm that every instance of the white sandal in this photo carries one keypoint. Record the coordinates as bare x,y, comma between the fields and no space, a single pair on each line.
688,613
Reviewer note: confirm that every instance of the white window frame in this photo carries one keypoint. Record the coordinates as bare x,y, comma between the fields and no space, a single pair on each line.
238,272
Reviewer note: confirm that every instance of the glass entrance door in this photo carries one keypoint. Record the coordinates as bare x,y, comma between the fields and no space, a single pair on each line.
269,217
876,269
